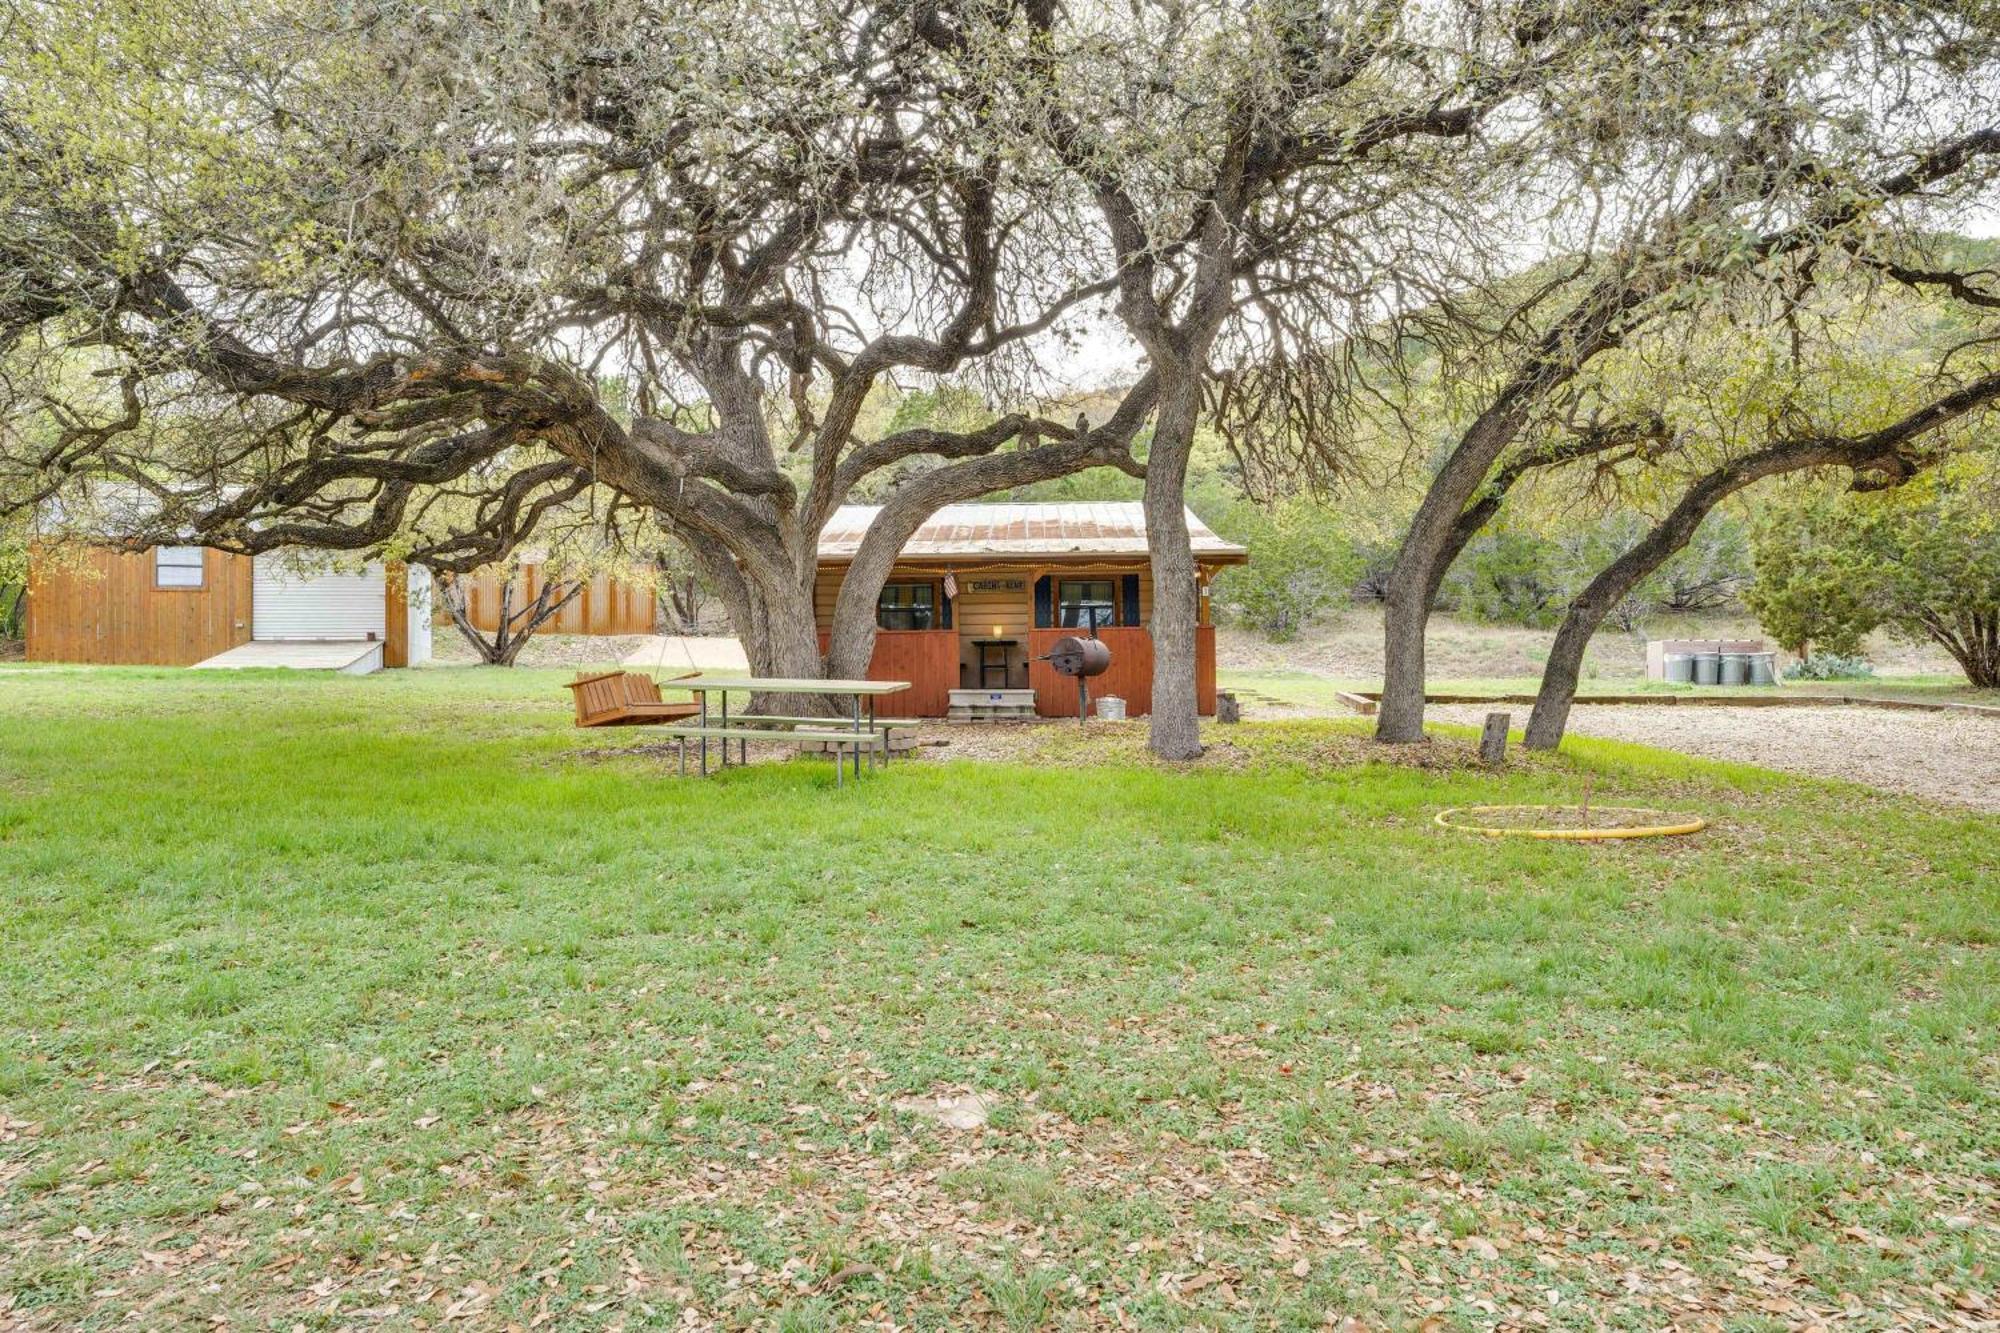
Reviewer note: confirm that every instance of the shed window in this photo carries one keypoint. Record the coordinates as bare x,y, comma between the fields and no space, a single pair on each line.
1086,603
177,567
907,606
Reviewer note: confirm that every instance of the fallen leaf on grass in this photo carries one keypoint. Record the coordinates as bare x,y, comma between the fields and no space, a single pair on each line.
849,1274
968,1111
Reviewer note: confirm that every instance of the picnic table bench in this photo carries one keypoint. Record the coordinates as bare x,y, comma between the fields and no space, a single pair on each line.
859,732
887,726
839,738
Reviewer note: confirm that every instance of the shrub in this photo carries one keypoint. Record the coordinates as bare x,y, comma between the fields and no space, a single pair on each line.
1922,560
1507,576
1804,594
1830,666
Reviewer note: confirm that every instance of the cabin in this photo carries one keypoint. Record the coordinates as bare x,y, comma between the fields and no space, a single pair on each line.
982,591
195,606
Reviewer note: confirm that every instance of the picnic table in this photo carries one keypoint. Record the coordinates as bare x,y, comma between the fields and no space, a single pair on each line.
861,694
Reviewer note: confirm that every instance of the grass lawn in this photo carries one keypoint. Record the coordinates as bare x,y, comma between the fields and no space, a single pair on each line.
396,1003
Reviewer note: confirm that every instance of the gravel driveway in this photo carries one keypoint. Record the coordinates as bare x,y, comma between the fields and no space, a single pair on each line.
1947,757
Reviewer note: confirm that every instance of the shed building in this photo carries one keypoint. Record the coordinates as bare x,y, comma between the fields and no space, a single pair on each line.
194,606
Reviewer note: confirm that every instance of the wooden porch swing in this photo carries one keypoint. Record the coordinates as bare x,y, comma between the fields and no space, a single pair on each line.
627,699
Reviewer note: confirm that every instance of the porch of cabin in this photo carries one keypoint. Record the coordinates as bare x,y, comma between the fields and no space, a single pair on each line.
1004,618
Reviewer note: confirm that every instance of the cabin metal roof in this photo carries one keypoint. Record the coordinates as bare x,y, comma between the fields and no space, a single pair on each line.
1023,531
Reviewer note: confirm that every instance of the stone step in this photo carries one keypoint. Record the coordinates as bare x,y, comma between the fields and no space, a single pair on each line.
993,699
995,713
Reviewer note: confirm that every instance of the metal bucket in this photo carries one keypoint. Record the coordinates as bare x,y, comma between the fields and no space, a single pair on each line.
1763,668
1111,708
1680,668
1708,668
1735,669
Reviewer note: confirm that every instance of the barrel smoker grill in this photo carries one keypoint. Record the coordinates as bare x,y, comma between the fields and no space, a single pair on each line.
1081,658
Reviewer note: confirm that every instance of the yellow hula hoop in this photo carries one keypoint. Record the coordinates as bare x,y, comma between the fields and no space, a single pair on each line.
1680,824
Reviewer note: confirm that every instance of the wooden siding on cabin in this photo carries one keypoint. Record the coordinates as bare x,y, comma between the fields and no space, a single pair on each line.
605,606
101,606
1130,676
978,613
981,609
926,658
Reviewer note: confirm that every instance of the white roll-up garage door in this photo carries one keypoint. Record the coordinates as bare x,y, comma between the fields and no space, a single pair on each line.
288,604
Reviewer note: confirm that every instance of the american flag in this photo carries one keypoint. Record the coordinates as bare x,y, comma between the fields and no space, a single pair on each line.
950,587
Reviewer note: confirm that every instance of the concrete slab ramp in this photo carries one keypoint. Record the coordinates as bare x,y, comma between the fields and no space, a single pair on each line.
355,657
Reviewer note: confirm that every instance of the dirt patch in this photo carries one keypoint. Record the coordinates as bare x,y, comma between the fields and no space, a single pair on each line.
1947,757
1052,743
1062,744
1952,758
671,653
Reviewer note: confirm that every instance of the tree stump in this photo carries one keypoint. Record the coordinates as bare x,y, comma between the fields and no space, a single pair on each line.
1226,708
1493,739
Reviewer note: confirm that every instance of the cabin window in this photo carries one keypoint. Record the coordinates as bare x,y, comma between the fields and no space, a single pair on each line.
177,567
1086,603
907,606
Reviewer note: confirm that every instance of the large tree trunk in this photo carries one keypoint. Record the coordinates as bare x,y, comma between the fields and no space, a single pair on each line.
1615,580
1973,640
1437,534
771,609
1565,665
790,646
1175,730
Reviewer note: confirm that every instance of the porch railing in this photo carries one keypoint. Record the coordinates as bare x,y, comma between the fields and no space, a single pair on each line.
1130,676
927,658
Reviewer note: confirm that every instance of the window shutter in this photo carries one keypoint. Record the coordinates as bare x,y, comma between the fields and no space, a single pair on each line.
944,612
1131,600
1045,603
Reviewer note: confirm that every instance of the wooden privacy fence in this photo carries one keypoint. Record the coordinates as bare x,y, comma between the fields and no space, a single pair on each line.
606,605
927,658
1130,676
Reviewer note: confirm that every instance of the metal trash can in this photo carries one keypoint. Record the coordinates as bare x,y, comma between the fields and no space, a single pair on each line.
1735,669
1708,668
1680,668
1763,668
1110,708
